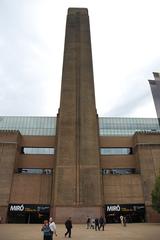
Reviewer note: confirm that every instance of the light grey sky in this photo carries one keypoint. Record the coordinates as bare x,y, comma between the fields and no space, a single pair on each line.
125,47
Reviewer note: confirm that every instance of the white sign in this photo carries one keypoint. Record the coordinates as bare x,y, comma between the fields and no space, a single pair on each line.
113,208
17,208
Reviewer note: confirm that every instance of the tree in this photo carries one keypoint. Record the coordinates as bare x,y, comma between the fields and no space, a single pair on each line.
156,195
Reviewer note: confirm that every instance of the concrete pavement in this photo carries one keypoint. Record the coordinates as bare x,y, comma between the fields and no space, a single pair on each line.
140,231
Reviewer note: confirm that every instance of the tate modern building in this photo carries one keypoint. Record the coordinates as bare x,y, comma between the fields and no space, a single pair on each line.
78,164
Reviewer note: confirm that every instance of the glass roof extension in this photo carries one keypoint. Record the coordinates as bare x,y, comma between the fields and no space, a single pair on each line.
42,126
108,126
113,126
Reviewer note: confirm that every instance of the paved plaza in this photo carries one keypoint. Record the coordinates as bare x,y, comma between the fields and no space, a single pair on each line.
112,232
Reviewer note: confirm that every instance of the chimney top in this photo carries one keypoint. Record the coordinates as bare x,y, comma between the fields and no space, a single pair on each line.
74,11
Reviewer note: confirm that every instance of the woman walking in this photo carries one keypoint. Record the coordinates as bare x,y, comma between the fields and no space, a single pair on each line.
47,234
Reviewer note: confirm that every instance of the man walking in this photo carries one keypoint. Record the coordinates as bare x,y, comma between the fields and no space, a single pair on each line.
101,222
88,222
96,224
68,224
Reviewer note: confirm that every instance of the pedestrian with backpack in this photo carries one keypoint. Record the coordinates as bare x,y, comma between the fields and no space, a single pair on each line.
47,234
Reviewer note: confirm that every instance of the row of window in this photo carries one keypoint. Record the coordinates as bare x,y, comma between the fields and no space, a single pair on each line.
116,151
118,171
104,171
33,150
126,126
46,171
47,125
103,151
40,126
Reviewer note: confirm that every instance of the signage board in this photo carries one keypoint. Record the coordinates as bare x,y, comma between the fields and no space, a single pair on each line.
28,208
16,208
124,207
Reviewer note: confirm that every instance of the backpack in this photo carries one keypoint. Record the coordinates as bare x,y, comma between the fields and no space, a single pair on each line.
47,231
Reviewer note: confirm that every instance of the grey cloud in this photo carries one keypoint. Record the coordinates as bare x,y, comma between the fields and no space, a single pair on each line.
21,73
24,72
137,92
128,105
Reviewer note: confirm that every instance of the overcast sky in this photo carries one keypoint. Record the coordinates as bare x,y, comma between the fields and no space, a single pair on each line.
125,47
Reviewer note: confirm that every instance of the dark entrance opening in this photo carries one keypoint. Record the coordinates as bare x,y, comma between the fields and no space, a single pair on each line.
27,213
134,213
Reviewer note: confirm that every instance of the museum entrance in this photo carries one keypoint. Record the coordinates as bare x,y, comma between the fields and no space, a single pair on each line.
27,213
134,213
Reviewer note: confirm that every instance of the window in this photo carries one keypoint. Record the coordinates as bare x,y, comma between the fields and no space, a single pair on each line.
126,126
118,171
116,151
46,171
40,126
34,150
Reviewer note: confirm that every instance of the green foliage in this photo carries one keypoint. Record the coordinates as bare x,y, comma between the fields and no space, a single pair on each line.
156,195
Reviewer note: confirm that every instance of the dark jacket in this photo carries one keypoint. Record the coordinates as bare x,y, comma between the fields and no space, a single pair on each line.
101,220
68,224
96,221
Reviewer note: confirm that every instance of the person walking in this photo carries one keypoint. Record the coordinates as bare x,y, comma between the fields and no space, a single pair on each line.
122,220
68,224
52,226
96,224
47,235
101,222
88,222
92,225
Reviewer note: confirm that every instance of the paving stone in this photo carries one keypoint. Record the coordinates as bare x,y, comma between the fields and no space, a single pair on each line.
79,232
